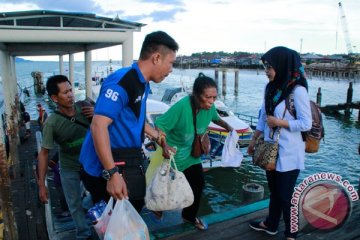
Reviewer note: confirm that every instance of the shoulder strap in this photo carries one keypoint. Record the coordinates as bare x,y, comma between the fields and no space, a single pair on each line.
279,128
192,103
72,119
289,103
290,106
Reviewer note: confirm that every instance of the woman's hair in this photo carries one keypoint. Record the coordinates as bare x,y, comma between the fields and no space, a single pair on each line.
288,73
201,83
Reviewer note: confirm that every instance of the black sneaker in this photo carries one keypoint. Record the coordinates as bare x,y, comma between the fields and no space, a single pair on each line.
256,226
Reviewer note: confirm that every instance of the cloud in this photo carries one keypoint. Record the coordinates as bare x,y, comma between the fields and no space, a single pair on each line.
64,5
157,16
220,2
165,2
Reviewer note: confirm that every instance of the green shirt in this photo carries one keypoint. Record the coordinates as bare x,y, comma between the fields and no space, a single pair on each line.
178,125
69,135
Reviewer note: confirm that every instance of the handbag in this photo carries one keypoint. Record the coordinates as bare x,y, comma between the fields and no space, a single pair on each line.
168,188
266,153
201,143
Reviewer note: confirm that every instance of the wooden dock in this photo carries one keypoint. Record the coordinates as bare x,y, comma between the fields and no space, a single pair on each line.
333,71
31,225
238,228
335,108
29,212
341,106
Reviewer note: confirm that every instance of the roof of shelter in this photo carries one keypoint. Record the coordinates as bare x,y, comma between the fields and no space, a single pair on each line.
44,32
58,19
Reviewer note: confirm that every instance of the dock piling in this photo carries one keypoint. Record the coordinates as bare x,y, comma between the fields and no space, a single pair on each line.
39,87
348,100
236,82
217,77
318,96
224,83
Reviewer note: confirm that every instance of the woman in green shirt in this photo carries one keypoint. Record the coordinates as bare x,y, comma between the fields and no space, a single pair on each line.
178,126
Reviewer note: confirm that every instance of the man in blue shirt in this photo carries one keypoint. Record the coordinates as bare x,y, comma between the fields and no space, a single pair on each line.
111,153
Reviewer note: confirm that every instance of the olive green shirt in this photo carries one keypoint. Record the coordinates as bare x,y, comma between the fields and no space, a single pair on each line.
69,135
178,125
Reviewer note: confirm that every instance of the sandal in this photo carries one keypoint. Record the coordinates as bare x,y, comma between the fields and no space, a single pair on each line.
199,223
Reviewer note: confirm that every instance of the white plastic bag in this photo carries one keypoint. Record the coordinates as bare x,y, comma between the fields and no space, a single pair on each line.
168,189
101,225
126,223
231,155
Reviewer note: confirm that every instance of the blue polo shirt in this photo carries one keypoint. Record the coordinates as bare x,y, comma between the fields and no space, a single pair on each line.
122,98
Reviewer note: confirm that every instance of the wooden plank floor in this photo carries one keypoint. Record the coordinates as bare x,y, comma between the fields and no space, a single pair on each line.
233,225
29,212
238,228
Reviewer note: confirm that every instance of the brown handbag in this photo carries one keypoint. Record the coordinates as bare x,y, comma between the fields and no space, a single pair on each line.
267,153
201,143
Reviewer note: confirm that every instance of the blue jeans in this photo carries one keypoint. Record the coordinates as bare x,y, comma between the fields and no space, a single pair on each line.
70,181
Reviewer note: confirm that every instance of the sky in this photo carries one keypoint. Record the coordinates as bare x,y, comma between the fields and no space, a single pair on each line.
308,26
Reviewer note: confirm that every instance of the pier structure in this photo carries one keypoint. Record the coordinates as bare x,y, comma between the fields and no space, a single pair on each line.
346,107
224,74
230,224
351,72
46,33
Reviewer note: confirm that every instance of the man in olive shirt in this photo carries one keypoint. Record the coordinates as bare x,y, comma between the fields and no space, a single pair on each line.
67,127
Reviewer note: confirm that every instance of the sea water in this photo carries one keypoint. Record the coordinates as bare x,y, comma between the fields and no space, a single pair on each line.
223,191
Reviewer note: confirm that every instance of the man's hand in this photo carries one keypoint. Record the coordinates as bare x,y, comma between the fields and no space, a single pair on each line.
43,193
87,111
116,187
41,173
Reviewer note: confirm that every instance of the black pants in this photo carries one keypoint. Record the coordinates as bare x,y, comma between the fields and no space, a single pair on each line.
281,187
195,177
97,188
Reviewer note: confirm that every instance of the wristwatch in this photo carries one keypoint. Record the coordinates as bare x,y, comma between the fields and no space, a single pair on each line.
106,174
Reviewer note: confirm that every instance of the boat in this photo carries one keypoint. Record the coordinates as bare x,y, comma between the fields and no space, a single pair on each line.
154,109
